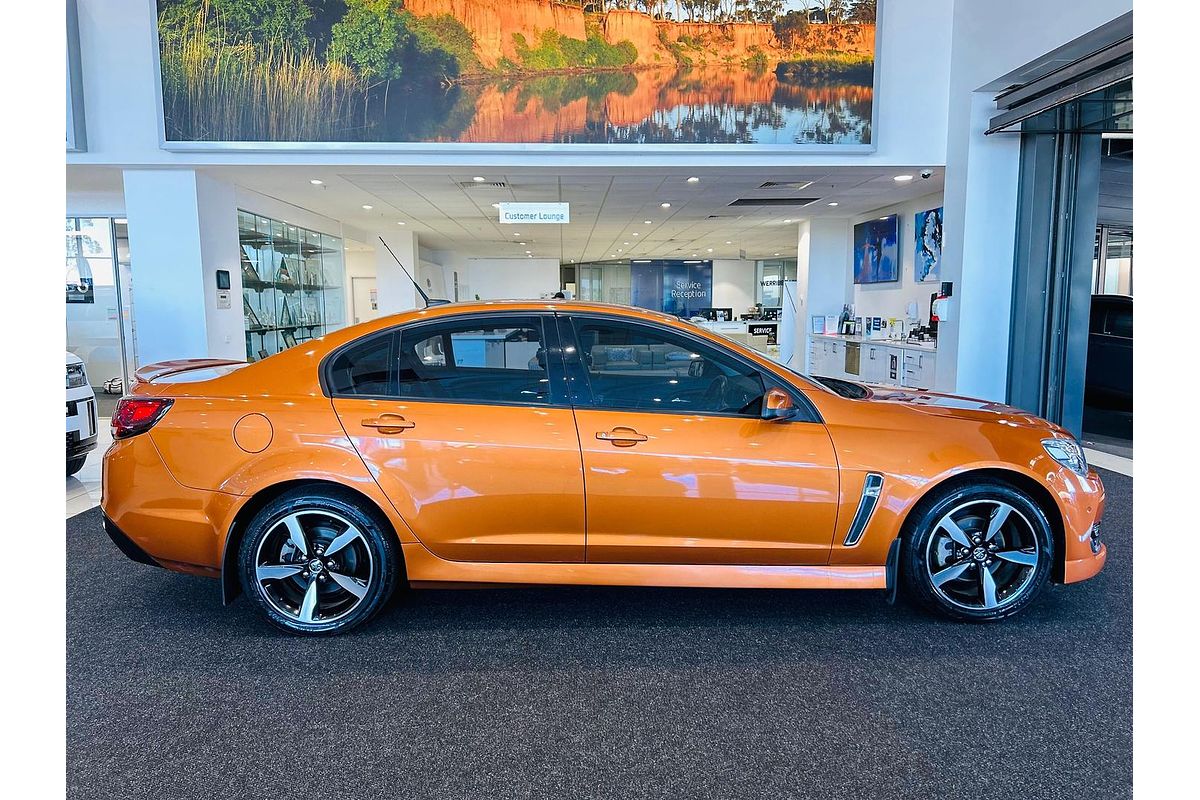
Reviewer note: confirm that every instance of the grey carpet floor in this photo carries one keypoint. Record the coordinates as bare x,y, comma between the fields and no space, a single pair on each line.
582,693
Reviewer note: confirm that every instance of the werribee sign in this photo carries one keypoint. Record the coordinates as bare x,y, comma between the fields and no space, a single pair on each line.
535,213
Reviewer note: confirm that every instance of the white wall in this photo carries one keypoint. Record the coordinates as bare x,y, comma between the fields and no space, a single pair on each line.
359,264
513,278
121,106
890,299
733,284
182,229
989,40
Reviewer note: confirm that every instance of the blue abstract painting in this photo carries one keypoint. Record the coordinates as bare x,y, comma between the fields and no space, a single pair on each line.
877,251
929,245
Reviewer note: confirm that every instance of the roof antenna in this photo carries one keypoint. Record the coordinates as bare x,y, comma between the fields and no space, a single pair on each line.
417,286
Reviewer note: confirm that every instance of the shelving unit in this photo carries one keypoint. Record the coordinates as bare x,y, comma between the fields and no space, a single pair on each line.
292,284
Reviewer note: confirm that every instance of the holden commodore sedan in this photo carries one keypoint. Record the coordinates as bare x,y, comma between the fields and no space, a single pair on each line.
577,443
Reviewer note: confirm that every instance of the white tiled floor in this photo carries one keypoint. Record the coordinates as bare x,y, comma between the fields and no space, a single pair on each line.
83,488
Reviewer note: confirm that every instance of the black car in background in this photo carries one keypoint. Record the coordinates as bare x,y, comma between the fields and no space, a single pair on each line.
1109,382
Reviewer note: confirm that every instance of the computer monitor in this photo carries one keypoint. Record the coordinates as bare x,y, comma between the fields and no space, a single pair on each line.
717,314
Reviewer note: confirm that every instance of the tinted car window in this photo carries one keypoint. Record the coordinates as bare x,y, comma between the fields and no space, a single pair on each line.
641,367
1120,322
496,361
364,369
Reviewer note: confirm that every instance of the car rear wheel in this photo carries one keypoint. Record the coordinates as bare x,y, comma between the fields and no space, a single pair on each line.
979,552
317,563
74,465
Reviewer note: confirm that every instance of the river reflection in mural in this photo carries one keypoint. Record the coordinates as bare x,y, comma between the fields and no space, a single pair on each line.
690,106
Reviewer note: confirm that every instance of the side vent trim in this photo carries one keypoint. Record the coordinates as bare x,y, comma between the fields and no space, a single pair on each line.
866,507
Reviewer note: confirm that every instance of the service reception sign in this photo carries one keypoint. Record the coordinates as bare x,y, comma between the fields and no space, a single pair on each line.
682,288
535,213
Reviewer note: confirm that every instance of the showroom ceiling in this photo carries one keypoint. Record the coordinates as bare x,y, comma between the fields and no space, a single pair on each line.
614,213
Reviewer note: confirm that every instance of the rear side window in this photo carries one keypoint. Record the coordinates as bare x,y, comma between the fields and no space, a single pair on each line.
499,360
364,369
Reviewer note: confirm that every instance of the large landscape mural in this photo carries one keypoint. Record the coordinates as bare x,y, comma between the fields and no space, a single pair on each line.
797,72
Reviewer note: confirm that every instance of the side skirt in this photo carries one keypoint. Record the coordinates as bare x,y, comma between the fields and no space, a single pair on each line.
426,569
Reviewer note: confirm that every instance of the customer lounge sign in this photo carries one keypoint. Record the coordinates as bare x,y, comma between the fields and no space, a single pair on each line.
535,213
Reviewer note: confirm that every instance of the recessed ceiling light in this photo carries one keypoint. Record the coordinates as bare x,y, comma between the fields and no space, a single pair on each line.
635,234
521,243
693,179
619,250
495,205
833,203
316,181
528,252
479,179
786,221
710,249
883,217
903,178
729,243
777,254
367,208
665,205
625,243
646,222
401,222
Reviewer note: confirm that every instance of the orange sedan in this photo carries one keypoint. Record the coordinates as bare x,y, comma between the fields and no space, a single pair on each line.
577,443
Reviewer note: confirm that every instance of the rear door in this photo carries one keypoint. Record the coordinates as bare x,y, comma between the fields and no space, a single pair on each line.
680,468
465,425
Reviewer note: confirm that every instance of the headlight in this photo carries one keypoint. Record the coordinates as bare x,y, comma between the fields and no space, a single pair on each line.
76,377
1068,453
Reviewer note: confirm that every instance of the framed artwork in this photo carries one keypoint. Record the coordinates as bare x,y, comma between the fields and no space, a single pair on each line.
338,74
288,339
927,265
877,250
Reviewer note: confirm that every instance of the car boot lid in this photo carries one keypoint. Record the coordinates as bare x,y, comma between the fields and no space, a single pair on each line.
186,370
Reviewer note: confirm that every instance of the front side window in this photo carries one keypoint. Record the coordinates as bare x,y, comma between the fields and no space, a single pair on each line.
639,367
492,361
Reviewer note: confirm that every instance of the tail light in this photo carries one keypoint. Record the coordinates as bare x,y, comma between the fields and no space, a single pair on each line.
136,415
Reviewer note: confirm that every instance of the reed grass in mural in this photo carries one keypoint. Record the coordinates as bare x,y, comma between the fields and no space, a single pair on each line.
587,71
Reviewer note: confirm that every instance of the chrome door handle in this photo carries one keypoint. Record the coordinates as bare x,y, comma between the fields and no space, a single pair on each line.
388,423
622,437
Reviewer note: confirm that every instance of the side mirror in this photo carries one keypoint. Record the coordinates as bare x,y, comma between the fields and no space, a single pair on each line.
778,405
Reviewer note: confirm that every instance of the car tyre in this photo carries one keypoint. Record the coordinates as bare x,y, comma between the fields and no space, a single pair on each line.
979,552
74,465
316,562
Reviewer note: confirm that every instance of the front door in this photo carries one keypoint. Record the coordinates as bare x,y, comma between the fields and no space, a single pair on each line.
680,468
463,429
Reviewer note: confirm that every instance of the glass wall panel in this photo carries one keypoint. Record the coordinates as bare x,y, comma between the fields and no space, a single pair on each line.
292,284
605,282
97,296
771,275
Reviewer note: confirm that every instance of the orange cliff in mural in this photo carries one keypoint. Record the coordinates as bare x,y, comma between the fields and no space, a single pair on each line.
505,31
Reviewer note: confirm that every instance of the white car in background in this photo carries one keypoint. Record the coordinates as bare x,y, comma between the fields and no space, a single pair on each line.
81,415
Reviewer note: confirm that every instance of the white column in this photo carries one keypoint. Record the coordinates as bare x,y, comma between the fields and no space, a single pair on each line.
396,291
182,229
823,274
982,176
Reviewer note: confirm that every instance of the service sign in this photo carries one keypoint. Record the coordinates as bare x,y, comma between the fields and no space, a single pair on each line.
535,213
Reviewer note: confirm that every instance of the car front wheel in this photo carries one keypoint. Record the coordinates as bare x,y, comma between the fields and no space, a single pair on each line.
316,563
980,552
